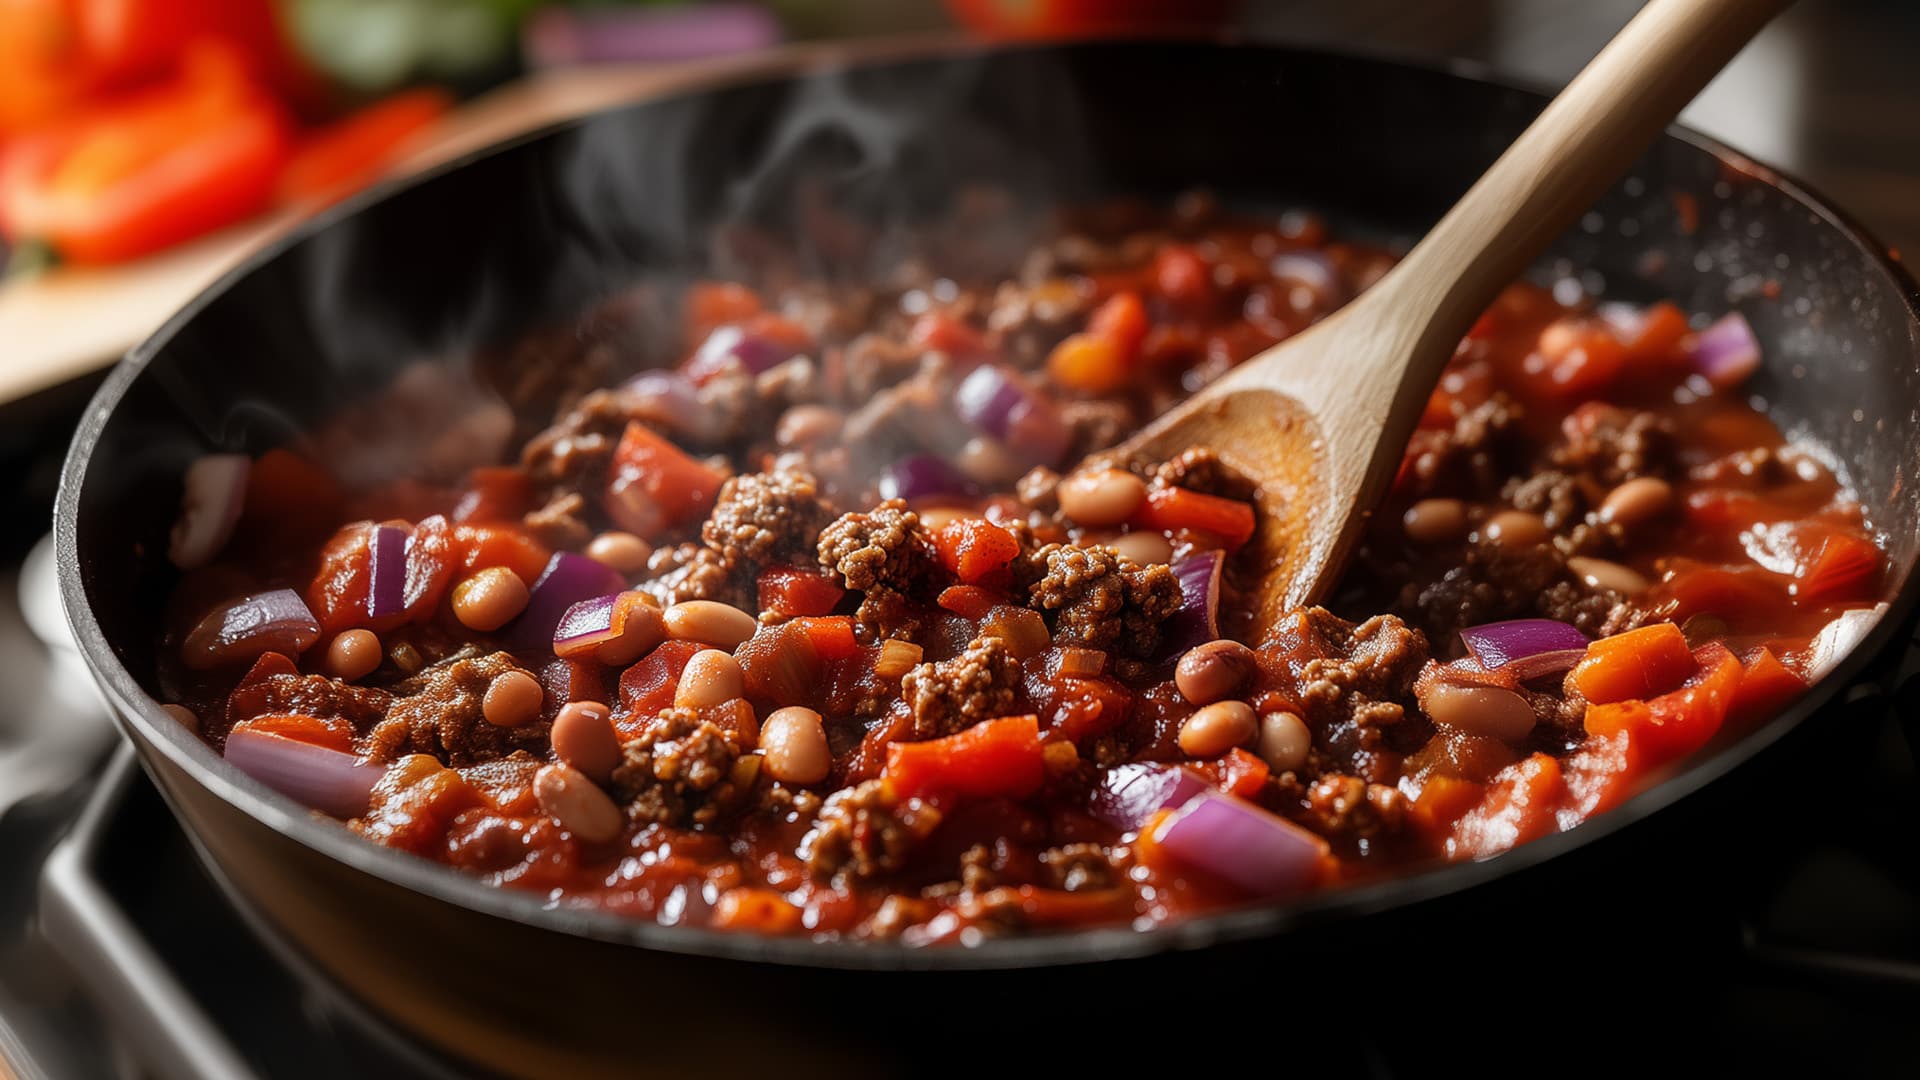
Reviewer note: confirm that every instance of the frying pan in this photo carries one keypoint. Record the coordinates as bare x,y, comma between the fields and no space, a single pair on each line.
534,231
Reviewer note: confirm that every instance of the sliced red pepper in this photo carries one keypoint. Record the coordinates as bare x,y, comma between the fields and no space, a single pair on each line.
351,153
168,164
1638,664
1169,509
992,758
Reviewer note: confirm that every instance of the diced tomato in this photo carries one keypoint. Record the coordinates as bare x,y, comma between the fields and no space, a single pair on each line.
939,331
969,601
654,485
1183,278
831,637
782,666
1443,801
976,550
351,153
1081,707
1765,687
433,557
1121,320
483,546
737,717
795,590
1576,357
1729,593
1089,364
1237,773
571,679
992,758
338,594
1602,773
1637,664
334,733
251,696
1675,724
647,687
710,305
1656,340
495,494
1844,567
755,911
1172,508
1519,806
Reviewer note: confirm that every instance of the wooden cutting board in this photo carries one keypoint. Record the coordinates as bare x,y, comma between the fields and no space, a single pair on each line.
69,321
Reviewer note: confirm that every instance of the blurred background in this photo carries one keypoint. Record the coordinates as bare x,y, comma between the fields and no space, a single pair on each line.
147,144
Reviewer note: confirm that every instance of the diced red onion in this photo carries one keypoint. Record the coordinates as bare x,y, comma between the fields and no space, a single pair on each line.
1528,648
994,403
1198,620
590,624
1727,352
1129,794
1239,842
556,36
728,344
923,476
1840,637
213,493
567,580
1312,269
664,397
387,572
313,776
276,621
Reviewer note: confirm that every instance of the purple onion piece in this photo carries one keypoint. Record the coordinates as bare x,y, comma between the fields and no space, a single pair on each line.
276,621
212,495
1529,648
1727,352
1239,842
586,625
1198,620
993,402
568,579
1129,795
387,572
730,344
923,476
313,776
556,36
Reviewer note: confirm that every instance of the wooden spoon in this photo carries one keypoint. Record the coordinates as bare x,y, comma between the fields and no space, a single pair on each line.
1322,420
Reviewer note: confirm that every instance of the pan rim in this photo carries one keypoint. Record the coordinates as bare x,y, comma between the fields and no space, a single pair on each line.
141,715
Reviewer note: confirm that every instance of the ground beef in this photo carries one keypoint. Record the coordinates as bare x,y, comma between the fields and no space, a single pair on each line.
1559,498
1198,468
561,523
1587,608
951,695
1103,601
763,518
316,696
1039,490
875,362
1467,456
574,454
1611,445
861,833
1362,673
1093,426
882,555
1346,809
679,771
1080,867
692,572
437,712
1030,319
1493,582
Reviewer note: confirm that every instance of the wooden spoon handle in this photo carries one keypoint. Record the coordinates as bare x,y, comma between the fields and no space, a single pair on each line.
1575,150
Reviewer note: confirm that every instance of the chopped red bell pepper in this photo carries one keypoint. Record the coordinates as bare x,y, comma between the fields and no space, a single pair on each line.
654,485
976,550
181,158
992,758
796,590
1765,687
351,153
1172,508
1519,806
1638,664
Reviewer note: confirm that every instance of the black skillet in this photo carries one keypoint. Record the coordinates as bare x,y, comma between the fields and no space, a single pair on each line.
538,230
